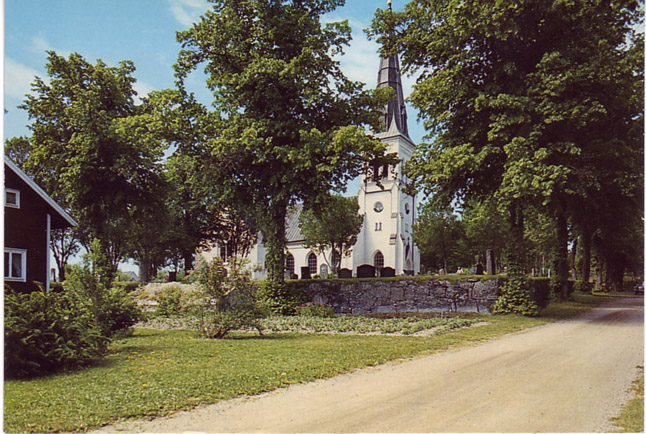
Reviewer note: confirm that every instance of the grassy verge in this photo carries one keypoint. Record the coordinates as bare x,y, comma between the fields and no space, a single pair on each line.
631,418
158,372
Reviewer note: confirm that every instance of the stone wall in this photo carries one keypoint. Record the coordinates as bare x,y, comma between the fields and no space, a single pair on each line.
402,295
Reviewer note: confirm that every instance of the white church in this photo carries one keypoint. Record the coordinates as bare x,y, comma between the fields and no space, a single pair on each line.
384,246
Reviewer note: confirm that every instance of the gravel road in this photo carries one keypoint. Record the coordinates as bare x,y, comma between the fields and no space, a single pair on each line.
571,376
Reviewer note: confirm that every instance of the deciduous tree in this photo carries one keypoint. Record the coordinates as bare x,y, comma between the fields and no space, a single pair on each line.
83,149
291,124
524,101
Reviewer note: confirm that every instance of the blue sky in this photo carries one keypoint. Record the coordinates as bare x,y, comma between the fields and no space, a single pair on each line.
142,31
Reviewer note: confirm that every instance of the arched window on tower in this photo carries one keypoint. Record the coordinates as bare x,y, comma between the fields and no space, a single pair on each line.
312,264
379,261
289,264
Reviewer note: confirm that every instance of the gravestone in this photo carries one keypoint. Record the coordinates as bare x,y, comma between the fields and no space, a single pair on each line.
345,273
305,273
365,270
323,271
478,269
387,272
490,262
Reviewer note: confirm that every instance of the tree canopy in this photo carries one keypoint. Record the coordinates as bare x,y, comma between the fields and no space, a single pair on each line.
83,152
531,102
290,125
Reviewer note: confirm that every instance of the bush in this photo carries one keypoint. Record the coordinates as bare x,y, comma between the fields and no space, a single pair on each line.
170,302
515,298
318,310
112,309
582,286
226,299
46,332
281,299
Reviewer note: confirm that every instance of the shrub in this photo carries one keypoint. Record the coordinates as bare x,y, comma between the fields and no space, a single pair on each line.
582,286
226,299
318,310
281,299
170,302
515,298
46,332
111,308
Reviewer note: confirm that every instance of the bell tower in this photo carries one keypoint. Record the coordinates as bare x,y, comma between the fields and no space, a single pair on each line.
385,241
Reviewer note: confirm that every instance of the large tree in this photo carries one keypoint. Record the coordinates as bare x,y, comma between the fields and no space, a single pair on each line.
441,238
291,124
82,150
516,96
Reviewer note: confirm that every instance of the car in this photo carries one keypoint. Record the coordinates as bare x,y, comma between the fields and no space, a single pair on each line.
639,289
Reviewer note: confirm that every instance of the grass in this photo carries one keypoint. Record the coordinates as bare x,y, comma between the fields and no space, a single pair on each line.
158,372
631,418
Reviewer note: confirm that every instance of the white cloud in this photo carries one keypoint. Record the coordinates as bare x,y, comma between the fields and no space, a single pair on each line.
143,89
18,79
186,12
40,44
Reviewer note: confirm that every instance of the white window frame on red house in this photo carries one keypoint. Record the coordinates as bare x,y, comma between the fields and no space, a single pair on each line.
15,204
23,266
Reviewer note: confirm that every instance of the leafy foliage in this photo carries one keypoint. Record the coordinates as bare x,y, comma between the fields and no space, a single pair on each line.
317,310
280,298
47,332
532,103
171,302
226,299
514,298
110,308
85,151
290,126
441,239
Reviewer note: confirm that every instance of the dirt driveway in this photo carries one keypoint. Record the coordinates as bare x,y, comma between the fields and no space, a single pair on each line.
571,376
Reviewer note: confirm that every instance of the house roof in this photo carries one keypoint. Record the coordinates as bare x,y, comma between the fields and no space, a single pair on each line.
65,219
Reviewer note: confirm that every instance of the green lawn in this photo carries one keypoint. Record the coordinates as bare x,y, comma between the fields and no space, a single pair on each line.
631,418
155,373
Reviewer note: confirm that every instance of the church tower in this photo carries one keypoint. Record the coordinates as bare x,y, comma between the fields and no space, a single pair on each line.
385,241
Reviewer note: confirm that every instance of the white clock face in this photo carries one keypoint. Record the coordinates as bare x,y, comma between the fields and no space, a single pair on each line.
379,207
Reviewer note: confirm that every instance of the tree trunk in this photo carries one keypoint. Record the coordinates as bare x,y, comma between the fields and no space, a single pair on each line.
586,246
274,232
516,252
573,258
560,252
188,260
615,268
600,282
144,271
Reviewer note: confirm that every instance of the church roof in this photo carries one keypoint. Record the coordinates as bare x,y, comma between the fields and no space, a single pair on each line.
292,229
395,110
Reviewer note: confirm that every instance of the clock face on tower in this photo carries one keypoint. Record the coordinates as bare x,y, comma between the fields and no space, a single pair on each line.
379,207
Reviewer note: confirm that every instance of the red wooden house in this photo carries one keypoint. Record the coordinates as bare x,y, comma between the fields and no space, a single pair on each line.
30,216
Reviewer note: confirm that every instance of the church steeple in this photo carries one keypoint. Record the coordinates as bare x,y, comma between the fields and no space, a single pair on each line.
389,75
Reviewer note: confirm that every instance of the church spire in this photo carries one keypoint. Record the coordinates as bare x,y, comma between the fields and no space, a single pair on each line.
389,75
